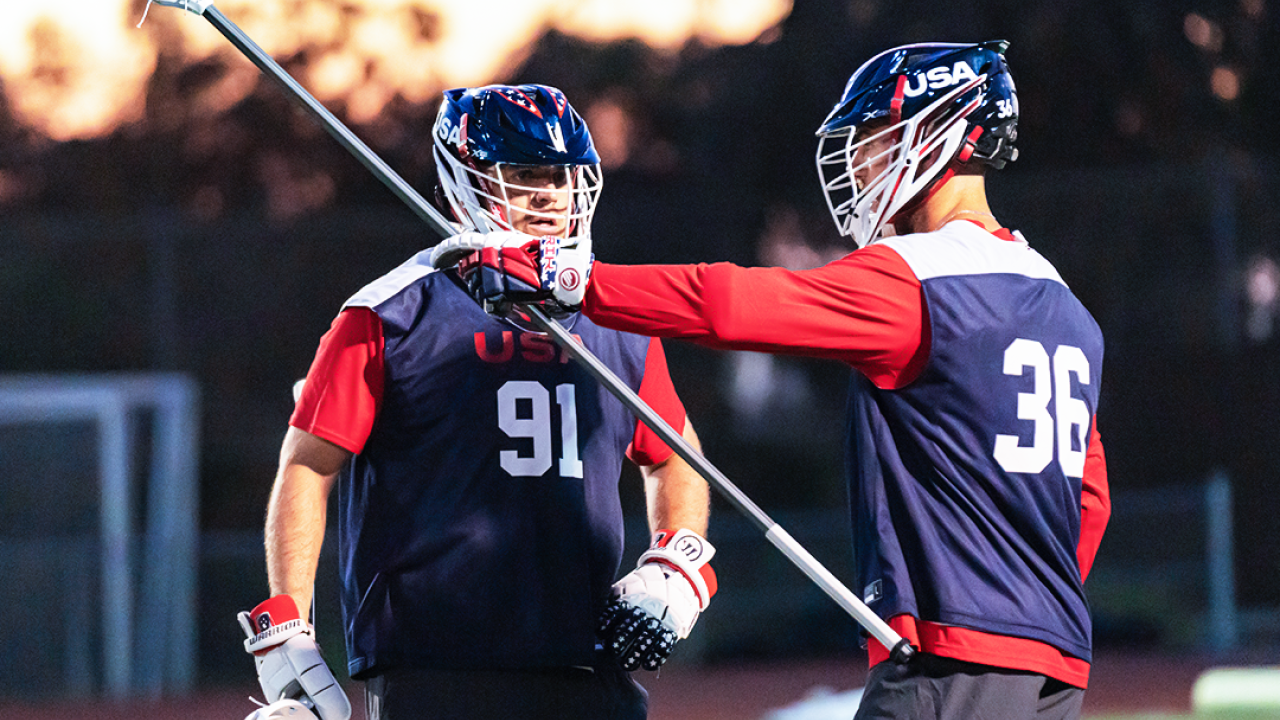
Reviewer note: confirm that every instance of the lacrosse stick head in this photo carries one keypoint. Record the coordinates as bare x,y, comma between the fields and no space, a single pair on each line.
904,117
516,157
286,709
196,7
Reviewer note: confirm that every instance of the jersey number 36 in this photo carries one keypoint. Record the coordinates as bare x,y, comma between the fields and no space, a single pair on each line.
1051,383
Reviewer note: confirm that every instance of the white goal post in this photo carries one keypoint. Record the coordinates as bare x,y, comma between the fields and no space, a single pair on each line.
162,553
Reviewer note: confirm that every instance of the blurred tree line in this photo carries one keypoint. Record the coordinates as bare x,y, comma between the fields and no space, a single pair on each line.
222,241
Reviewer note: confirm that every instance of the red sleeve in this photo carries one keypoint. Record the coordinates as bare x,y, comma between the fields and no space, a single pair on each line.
343,390
866,309
1095,502
658,392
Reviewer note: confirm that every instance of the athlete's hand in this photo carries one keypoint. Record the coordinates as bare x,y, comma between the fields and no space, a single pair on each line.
288,660
506,268
502,275
456,248
657,603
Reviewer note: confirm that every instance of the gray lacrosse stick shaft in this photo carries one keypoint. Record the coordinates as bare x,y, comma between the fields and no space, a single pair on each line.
339,131
900,649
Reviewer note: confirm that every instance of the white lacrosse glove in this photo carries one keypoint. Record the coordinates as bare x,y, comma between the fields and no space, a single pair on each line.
289,663
657,603
505,268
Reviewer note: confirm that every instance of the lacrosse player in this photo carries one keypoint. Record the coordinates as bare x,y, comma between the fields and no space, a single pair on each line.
480,528
977,477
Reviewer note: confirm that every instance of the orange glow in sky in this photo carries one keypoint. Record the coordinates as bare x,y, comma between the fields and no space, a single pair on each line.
79,68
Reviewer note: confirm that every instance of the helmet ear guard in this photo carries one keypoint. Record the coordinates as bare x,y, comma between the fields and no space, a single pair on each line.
996,148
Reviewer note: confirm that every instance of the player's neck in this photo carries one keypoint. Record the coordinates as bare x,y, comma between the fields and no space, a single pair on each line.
962,197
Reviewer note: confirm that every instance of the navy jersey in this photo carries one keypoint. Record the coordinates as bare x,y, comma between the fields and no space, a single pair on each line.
977,475
966,483
481,525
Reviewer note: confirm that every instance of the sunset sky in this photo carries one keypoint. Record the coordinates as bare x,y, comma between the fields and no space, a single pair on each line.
78,68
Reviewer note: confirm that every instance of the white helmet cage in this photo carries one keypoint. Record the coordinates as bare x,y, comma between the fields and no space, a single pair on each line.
481,196
912,154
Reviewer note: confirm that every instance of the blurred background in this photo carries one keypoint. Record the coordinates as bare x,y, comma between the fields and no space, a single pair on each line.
175,237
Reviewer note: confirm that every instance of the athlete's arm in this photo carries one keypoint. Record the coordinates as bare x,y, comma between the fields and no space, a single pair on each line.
296,513
676,496
1095,502
866,309
657,604
331,421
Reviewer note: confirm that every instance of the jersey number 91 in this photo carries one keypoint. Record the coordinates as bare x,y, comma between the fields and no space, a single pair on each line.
535,424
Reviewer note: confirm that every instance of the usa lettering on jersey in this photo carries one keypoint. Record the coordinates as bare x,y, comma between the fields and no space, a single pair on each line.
532,347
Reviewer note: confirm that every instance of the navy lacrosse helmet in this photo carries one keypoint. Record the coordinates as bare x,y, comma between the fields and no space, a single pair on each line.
904,116
498,143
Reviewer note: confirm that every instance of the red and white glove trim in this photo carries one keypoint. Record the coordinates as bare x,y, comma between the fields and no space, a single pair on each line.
272,622
688,553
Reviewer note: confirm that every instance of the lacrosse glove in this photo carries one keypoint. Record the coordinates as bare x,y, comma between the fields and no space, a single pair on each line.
288,661
505,268
657,604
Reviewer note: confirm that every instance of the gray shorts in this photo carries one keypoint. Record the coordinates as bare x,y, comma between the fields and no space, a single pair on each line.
605,693
937,688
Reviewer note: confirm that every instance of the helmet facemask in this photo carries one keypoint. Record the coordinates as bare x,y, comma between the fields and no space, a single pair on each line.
555,200
871,172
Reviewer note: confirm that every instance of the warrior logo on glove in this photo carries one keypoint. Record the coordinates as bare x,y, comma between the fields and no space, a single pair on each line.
569,279
505,268
689,544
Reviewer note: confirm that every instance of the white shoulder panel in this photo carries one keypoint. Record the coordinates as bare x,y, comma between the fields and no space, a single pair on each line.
378,291
962,248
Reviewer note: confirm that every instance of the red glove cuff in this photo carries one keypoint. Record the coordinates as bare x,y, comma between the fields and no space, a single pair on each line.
274,611
272,622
